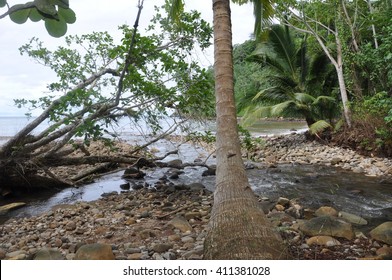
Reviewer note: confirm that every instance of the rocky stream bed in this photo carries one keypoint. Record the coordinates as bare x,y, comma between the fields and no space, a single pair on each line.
168,220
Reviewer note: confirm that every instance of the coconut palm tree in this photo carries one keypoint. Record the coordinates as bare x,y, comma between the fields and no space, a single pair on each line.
238,227
293,83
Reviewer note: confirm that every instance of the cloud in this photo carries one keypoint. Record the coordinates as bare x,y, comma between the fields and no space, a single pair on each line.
20,77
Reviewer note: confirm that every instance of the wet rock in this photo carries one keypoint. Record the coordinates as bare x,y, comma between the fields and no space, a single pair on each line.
137,186
351,218
95,251
326,211
196,187
133,173
180,223
283,201
174,176
383,233
211,171
327,225
48,254
323,241
175,163
125,186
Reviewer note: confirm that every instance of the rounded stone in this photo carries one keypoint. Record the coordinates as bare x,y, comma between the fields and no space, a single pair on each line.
383,233
95,251
326,211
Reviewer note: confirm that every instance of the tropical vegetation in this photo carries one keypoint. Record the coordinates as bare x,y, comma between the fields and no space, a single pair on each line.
291,83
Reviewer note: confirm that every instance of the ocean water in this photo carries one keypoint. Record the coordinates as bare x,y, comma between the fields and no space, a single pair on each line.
9,126
128,129
125,128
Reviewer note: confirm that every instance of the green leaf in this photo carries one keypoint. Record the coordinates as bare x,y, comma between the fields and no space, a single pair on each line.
3,3
21,15
35,15
56,28
67,14
46,8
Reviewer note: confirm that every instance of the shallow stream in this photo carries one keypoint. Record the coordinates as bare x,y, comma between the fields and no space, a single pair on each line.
312,185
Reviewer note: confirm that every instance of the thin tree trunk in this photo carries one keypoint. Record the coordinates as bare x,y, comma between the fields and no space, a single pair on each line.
238,228
342,84
373,26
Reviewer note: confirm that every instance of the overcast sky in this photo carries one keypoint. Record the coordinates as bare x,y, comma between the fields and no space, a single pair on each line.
20,77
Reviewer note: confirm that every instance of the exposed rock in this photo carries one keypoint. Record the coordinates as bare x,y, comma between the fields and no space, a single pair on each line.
279,217
175,163
283,201
133,173
326,211
383,233
180,223
266,206
17,255
188,239
336,160
327,225
70,226
125,186
192,215
135,256
162,247
2,254
323,241
95,251
385,253
211,171
351,218
48,254
196,187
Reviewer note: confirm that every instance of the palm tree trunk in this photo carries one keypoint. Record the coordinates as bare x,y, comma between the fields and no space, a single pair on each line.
238,228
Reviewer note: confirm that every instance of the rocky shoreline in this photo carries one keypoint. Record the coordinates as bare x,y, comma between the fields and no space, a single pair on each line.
295,148
170,221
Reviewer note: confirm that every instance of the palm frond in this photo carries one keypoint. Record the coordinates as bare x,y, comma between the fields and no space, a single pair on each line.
176,9
278,109
304,98
253,113
319,126
324,100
